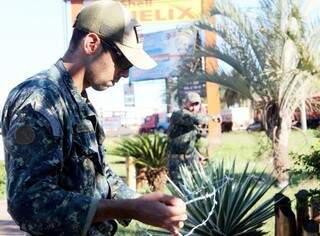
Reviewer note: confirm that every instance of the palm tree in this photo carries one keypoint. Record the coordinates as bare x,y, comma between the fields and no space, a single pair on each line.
149,152
276,56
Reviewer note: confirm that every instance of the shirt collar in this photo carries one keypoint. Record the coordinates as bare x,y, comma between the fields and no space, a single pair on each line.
81,98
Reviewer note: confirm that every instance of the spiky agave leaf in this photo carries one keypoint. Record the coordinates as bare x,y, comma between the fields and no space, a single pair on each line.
221,201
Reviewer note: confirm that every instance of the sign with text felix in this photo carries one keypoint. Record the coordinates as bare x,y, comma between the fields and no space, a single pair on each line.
165,10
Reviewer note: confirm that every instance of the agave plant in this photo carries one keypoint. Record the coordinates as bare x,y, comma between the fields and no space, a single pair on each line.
149,152
223,202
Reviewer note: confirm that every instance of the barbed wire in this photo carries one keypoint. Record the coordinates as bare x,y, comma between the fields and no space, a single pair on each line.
190,193
210,213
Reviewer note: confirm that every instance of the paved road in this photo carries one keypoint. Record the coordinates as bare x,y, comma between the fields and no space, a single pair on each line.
7,225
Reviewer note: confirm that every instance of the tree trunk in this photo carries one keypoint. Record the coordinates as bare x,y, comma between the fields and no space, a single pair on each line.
131,173
278,126
157,178
280,141
141,180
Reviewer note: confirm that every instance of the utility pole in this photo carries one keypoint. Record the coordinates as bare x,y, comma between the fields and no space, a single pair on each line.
213,95
76,6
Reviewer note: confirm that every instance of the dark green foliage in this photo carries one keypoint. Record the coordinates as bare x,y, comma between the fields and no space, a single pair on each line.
148,150
308,163
264,150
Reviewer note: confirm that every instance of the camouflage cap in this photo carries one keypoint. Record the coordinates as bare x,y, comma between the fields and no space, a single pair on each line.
193,97
113,22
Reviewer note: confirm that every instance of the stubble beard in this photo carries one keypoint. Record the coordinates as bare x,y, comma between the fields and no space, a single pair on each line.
89,78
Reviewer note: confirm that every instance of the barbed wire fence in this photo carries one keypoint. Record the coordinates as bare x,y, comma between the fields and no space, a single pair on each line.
191,195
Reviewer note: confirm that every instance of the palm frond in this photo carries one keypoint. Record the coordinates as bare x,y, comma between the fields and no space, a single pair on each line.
148,150
277,54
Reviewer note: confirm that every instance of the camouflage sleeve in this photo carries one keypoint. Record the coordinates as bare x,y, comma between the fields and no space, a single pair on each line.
186,118
183,118
201,118
119,190
34,161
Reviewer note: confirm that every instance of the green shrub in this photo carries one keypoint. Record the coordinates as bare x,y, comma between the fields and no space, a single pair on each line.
308,164
264,149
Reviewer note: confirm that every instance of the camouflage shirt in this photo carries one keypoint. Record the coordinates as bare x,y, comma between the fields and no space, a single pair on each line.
54,158
183,132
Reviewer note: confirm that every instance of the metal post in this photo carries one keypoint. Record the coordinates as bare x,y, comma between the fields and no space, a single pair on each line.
131,173
285,222
302,209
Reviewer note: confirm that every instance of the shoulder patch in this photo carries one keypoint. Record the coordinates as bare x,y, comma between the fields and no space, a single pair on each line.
25,135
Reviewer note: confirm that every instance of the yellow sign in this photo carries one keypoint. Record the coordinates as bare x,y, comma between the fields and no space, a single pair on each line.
165,10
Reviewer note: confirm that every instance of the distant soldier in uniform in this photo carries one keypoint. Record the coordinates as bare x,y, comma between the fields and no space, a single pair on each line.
183,132
187,133
58,182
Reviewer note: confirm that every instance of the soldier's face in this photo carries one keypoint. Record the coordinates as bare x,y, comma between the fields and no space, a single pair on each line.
102,71
194,107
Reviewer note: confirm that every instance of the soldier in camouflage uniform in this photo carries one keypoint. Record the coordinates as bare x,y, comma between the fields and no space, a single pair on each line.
183,132
57,180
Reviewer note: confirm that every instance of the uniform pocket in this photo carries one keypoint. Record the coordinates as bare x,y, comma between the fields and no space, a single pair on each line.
86,146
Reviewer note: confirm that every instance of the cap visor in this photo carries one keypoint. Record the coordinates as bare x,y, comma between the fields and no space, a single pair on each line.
138,57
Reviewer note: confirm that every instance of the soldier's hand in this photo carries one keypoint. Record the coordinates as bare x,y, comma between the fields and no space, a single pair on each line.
162,211
217,118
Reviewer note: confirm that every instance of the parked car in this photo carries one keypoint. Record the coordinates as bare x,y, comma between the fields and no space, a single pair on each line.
256,126
157,122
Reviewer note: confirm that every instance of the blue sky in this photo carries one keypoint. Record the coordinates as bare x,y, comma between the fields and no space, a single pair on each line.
31,39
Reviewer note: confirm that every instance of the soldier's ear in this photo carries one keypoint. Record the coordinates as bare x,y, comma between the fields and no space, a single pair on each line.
91,43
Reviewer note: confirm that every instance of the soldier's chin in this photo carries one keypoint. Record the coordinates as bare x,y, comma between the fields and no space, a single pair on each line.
101,87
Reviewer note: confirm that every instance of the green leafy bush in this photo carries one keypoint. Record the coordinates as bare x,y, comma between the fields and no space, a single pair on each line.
264,149
308,163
